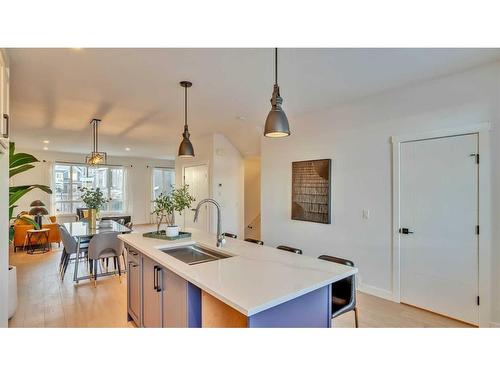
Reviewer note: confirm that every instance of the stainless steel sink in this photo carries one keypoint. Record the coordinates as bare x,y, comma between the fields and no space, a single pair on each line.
194,254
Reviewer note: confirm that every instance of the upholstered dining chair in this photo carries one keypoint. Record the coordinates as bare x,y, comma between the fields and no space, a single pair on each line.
290,249
343,291
258,242
103,246
69,248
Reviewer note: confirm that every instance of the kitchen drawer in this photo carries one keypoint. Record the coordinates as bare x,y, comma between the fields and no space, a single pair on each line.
133,255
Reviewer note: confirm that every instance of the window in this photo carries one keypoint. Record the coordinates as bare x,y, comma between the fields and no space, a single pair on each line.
163,181
68,179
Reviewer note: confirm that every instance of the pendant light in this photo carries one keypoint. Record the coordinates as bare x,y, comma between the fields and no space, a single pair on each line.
186,148
95,157
276,122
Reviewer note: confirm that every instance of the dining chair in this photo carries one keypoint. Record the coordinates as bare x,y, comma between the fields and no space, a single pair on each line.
290,249
343,291
230,235
258,242
104,246
69,248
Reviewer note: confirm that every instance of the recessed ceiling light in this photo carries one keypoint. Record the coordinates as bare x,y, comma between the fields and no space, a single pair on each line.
46,141
45,148
127,148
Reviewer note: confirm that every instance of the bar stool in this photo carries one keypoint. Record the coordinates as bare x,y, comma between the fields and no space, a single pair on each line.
343,291
258,242
290,249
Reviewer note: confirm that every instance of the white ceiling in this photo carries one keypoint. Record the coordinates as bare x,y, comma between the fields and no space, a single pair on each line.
136,92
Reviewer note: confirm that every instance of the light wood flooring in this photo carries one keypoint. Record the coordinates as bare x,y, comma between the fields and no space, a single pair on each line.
45,301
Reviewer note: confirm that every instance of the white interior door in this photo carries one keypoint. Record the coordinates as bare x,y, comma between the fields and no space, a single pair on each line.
439,204
196,177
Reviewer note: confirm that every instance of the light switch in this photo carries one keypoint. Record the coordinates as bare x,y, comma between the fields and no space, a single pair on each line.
366,214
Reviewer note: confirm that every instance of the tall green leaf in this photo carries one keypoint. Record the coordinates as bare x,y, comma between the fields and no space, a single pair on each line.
17,160
14,197
22,168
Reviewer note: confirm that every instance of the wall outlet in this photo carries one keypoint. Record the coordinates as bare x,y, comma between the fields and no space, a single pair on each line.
366,214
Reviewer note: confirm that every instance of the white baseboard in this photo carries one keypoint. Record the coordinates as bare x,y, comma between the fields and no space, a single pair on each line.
374,291
494,325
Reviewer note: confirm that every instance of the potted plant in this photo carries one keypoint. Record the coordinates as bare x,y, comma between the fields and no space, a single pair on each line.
94,200
165,207
18,163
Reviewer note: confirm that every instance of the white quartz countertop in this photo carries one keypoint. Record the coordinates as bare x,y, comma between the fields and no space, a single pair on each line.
254,279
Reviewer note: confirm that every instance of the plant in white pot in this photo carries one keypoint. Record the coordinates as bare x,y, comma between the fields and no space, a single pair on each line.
165,206
19,162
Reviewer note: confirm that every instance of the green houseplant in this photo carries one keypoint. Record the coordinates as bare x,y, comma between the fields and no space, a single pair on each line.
94,200
165,206
18,163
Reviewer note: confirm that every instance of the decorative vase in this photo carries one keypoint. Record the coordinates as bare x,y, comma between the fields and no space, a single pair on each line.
92,218
172,231
12,304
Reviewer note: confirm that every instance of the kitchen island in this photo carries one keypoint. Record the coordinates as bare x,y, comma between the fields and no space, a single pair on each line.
250,286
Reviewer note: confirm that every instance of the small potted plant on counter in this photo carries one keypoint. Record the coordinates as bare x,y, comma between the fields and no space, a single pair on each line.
94,200
165,206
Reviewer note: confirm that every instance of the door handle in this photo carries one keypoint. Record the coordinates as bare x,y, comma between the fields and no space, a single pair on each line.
7,125
405,231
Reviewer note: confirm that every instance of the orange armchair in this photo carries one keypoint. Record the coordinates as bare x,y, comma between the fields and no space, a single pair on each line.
20,228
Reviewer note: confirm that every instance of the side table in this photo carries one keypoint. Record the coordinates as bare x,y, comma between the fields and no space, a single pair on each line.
41,238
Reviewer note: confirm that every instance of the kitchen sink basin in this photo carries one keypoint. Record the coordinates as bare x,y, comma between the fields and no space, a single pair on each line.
194,254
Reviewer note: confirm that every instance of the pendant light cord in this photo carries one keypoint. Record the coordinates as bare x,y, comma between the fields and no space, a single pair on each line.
276,66
185,105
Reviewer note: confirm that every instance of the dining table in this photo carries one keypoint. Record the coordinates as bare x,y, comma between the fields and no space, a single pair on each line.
82,231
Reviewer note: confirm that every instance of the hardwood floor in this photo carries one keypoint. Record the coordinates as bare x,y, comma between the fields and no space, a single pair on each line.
45,301
375,312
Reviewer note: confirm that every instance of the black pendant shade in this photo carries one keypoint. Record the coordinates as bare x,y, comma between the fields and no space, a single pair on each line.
276,123
186,149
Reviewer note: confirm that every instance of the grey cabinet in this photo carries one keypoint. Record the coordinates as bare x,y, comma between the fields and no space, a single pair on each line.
158,297
134,285
151,294
174,304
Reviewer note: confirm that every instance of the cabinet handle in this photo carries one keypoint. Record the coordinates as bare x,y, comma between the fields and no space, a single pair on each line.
133,253
158,278
7,125
155,277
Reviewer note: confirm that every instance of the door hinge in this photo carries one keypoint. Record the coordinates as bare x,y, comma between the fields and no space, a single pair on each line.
476,156
478,300
477,229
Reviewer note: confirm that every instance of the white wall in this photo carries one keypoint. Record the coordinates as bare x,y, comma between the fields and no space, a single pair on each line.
228,184
225,166
356,137
139,183
252,198
4,197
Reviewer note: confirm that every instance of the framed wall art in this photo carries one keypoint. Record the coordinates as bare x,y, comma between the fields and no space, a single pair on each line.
311,190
